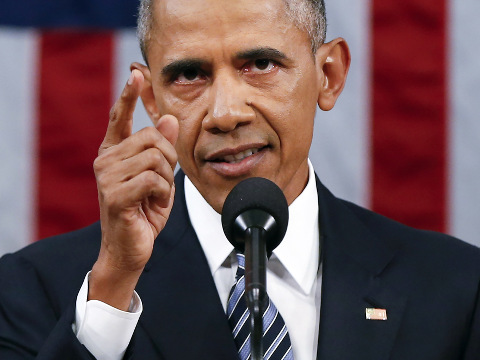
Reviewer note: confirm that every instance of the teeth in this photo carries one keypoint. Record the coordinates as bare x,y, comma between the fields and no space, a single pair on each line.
233,159
240,156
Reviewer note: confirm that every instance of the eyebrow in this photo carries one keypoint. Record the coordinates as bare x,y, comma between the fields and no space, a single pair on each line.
262,53
178,66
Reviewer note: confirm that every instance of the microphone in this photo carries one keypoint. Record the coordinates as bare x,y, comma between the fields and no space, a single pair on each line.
255,220
255,202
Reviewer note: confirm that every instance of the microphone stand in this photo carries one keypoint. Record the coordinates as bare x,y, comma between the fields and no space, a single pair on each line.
255,219
254,225
255,286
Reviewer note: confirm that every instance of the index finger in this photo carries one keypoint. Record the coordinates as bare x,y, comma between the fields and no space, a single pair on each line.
121,115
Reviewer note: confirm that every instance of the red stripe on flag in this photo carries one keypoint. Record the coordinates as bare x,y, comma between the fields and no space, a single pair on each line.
409,111
75,97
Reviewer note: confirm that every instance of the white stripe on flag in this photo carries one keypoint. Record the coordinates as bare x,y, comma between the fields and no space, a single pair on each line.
340,151
18,62
464,120
127,51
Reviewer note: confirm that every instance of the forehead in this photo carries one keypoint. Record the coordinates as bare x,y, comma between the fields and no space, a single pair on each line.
182,24
195,13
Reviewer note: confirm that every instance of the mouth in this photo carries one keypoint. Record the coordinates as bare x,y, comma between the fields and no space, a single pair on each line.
237,162
237,157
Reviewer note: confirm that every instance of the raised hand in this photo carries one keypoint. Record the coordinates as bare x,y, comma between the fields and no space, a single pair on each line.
135,174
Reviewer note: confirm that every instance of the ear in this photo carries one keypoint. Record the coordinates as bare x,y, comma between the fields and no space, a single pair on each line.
333,62
148,98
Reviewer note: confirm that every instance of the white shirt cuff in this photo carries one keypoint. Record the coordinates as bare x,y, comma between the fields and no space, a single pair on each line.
104,330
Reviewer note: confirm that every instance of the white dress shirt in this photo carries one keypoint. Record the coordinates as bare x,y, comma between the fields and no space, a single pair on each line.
293,279
104,330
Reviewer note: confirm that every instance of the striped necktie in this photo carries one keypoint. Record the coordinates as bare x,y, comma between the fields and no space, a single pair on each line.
276,342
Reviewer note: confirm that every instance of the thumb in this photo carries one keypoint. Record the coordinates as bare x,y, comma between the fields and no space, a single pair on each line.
168,126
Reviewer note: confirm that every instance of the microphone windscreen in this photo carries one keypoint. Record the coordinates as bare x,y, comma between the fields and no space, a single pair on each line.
256,193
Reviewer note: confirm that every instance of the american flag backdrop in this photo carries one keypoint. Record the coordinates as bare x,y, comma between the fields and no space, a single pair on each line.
403,140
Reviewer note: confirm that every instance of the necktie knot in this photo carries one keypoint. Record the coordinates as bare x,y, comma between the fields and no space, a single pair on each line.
241,266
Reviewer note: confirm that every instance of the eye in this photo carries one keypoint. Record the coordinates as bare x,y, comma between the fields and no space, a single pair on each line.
188,76
263,64
260,66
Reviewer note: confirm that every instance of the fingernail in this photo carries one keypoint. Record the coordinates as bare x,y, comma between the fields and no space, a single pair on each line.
131,78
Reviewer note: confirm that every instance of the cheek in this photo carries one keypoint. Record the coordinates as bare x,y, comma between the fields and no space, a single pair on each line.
295,128
295,108
189,115
169,104
296,92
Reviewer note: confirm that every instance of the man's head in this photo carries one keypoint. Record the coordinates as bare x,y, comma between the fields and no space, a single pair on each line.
241,79
308,15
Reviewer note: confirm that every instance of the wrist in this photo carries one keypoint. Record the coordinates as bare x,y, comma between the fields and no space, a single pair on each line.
112,285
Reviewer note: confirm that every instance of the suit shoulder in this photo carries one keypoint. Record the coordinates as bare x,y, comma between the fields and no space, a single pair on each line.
66,253
398,235
52,270
77,243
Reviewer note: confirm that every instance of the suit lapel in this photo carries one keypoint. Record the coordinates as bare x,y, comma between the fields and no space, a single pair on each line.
353,263
182,313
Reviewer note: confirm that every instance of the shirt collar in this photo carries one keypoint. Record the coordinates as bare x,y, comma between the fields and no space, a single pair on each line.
298,254
207,224
299,251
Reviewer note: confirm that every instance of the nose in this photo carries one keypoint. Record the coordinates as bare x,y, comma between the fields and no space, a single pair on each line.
228,105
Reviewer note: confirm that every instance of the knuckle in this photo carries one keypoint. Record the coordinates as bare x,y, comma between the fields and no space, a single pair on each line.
150,179
98,165
164,195
125,95
102,161
174,159
169,176
158,162
150,136
151,131
155,156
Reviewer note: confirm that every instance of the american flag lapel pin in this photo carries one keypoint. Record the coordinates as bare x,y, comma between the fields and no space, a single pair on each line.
375,314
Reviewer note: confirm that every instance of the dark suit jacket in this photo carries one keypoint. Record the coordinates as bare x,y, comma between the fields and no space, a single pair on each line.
428,282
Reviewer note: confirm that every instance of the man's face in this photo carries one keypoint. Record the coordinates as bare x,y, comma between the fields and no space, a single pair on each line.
242,81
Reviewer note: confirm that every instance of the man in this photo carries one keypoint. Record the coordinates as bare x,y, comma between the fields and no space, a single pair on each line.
231,88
